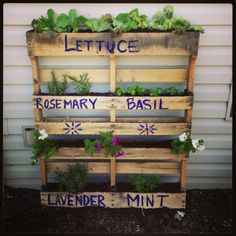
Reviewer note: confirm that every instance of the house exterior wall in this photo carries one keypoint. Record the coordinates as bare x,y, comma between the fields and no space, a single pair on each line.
209,169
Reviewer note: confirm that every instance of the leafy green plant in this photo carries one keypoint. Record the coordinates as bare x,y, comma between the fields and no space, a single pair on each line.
120,91
98,25
108,142
173,92
55,87
137,90
156,92
185,144
144,184
196,28
42,145
125,22
74,180
82,85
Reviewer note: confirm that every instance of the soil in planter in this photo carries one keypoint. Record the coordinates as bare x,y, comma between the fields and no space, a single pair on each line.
120,187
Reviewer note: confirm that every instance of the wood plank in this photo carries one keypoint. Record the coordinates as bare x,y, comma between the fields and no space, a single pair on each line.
113,172
121,167
108,102
112,115
64,44
43,170
115,199
112,74
70,153
77,128
183,174
101,76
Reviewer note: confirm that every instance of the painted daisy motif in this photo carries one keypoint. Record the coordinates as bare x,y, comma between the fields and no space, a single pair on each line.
146,129
72,127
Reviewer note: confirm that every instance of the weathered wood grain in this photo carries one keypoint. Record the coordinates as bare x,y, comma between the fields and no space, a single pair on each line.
115,199
146,43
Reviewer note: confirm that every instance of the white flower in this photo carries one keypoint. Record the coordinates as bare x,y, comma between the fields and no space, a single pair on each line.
195,143
183,137
43,134
201,148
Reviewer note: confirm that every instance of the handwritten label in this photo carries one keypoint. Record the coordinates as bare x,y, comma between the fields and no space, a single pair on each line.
83,103
145,104
148,200
120,46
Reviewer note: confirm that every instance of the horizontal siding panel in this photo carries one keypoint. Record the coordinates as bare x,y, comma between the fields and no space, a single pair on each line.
209,109
23,183
207,56
14,126
17,157
203,75
211,126
203,14
22,110
208,183
209,170
13,142
213,36
215,140
212,93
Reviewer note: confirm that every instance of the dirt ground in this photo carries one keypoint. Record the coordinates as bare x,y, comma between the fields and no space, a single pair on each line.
208,211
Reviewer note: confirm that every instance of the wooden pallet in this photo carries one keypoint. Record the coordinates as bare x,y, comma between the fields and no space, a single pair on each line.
138,160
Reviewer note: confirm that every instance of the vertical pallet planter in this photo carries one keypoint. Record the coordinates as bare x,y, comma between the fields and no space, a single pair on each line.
147,160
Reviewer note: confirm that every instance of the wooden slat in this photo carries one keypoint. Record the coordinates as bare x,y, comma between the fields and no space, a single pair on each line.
76,128
121,167
115,199
43,170
132,44
183,174
112,115
70,153
113,172
108,102
112,74
101,76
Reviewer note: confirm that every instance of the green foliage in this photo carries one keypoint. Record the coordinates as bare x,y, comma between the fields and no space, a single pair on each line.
42,146
89,146
74,180
186,145
173,92
125,22
156,92
98,25
55,87
137,90
120,91
196,28
82,85
60,23
106,141
144,184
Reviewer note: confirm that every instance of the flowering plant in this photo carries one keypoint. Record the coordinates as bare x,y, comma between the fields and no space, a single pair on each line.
42,145
184,143
108,142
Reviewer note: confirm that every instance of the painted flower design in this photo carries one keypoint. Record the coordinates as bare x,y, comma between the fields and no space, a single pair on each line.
72,128
146,129
43,134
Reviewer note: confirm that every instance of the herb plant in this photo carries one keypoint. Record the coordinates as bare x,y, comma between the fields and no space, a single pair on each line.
74,180
42,145
107,142
55,87
185,144
82,85
156,92
144,184
173,92
120,91
98,25
136,90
